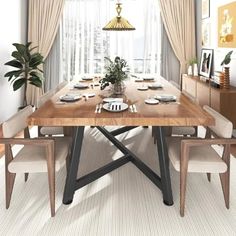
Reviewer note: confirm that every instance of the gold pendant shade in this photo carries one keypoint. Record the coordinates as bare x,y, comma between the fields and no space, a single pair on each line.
118,23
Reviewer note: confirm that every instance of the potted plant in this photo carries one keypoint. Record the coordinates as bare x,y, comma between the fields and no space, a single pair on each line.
226,78
193,69
27,66
116,72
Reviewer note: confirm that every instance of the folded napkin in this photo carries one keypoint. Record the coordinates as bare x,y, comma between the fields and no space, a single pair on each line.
113,100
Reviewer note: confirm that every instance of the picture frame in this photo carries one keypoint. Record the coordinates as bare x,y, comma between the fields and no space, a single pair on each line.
205,9
227,26
206,40
206,62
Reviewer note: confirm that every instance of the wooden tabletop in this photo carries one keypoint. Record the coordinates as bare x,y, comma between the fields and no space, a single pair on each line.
81,113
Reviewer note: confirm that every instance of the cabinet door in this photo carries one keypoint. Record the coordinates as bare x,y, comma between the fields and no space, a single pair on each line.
189,87
203,93
215,99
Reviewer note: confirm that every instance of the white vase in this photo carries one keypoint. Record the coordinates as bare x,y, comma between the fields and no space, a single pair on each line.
195,70
190,70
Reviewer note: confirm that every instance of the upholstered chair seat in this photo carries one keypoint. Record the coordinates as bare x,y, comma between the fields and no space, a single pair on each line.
51,130
37,154
184,130
198,155
32,159
201,159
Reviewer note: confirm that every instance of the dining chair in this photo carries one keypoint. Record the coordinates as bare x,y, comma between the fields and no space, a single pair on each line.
197,155
185,131
37,154
48,130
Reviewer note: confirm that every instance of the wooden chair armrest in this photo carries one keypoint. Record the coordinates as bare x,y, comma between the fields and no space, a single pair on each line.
28,141
207,141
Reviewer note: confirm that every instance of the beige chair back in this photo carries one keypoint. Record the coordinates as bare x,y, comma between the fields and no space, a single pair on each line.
16,123
61,85
42,99
223,127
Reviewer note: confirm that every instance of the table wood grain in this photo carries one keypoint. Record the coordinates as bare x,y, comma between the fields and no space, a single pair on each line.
81,113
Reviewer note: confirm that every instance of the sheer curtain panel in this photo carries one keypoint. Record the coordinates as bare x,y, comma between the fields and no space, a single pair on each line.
179,21
85,44
44,18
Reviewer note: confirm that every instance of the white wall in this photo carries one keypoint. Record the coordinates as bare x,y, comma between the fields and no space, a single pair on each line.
13,21
219,53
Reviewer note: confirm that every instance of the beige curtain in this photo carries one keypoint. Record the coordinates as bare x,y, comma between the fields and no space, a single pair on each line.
44,18
179,20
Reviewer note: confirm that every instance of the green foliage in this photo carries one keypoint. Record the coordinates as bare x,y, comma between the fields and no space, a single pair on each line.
27,64
227,58
193,61
116,72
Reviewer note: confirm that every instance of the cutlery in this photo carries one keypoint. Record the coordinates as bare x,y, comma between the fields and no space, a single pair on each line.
131,108
97,108
100,108
134,108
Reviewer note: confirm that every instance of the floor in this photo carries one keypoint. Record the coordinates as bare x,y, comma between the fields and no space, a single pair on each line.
123,202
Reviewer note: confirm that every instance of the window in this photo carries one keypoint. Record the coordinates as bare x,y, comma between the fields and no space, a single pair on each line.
85,44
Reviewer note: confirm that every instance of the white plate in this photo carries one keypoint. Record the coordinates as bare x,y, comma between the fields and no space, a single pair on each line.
165,97
138,80
95,84
152,101
70,97
87,78
148,78
81,86
113,100
155,86
115,106
143,88
89,95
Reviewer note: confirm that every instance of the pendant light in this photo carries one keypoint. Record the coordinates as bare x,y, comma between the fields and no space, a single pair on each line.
118,23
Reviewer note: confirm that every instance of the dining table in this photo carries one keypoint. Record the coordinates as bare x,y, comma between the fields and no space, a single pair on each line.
88,111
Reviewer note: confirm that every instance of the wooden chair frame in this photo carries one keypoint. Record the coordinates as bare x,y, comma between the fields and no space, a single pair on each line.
48,144
186,145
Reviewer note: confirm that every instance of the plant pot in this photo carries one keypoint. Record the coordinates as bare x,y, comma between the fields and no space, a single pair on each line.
190,70
195,70
226,83
118,88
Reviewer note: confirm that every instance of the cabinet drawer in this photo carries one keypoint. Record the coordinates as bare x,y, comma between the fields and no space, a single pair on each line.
203,94
215,100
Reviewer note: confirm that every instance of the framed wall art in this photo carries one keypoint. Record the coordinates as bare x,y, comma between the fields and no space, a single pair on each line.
206,33
227,26
206,62
205,9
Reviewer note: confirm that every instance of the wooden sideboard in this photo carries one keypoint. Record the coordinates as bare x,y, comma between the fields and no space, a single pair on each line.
222,100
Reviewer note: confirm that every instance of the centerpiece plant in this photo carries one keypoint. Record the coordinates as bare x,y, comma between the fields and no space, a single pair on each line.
27,64
116,72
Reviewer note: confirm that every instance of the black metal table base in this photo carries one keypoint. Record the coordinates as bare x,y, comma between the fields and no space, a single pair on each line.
162,181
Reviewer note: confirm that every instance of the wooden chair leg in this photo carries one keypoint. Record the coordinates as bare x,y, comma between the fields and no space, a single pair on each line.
51,178
209,177
9,177
26,176
183,177
225,177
